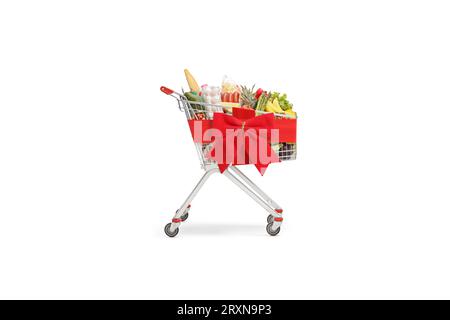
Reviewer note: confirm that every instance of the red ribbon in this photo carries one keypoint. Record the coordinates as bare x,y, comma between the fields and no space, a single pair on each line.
286,129
242,135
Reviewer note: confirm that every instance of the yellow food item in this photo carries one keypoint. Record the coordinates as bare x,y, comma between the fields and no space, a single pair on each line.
193,85
269,107
276,106
228,106
291,112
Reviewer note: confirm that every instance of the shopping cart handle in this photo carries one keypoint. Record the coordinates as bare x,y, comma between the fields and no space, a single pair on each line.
166,90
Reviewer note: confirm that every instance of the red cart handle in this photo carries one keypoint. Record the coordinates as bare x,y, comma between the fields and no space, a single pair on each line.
166,90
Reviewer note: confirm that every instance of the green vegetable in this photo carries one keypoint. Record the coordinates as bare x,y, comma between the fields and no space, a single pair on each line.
262,101
193,97
282,100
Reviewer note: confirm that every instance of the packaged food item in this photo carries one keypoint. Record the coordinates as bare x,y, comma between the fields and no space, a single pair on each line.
229,85
211,95
228,106
233,97
231,92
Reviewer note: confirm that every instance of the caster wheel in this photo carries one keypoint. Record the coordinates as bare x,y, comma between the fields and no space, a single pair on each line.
269,218
271,231
168,232
184,216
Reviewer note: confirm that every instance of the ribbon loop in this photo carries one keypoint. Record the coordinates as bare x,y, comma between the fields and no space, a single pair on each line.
256,143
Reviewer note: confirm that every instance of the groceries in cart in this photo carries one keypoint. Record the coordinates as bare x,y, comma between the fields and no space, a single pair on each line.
232,95
235,124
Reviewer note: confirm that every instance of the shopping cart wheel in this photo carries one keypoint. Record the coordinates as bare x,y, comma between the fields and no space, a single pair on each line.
184,216
269,218
271,231
167,230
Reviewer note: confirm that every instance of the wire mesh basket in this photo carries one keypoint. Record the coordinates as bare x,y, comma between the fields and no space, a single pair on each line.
205,111
197,112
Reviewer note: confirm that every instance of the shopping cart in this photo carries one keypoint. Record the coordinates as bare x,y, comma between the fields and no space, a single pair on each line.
204,111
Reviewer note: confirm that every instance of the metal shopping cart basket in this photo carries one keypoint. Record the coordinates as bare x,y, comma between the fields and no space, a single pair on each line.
200,111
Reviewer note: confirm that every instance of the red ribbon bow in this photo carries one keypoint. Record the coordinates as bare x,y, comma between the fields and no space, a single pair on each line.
243,139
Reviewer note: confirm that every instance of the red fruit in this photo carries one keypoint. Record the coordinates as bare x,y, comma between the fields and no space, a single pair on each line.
258,93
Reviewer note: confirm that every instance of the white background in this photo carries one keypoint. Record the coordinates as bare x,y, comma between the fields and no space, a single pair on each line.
94,159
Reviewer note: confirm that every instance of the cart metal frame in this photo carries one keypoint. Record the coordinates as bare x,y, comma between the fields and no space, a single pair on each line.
200,110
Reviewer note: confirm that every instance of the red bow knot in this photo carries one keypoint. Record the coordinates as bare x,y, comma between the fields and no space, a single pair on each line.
243,141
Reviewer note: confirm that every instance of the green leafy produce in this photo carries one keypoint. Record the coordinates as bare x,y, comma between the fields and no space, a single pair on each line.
282,100
193,97
262,101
